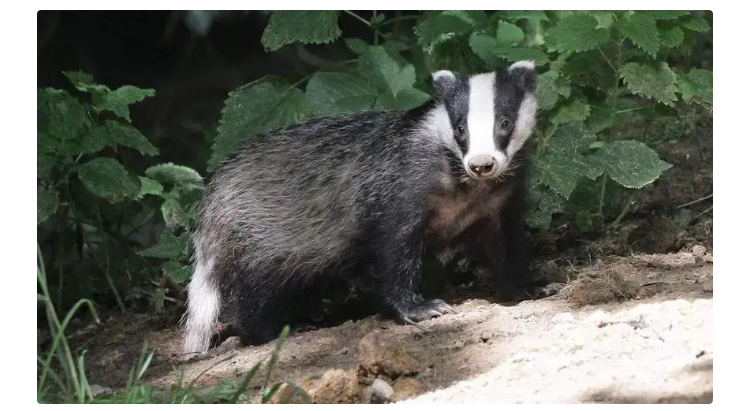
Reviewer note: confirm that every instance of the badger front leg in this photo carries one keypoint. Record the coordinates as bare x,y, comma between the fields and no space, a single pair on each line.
396,266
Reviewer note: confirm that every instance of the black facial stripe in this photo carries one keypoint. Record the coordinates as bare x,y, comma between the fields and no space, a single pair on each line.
508,99
457,103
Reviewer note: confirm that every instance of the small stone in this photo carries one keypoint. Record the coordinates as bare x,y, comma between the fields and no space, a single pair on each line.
699,250
486,336
380,392
708,285
335,387
99,390
406,388
458,344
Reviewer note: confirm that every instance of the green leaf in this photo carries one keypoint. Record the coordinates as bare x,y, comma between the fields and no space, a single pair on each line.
79,79
484,46
577,111
671,37
117,101
515,15
435,30
306,26
95,140
128,136
67,118
576,32
630,163
44,165
549,87
173,213
697,24
698,82
563,163
514,54
168,246
641,29
107,178
651,81
544,202
252,109
149,186
508,34
386,72
356,45
176,272
173,173
47,201
405,100
338,93
665,14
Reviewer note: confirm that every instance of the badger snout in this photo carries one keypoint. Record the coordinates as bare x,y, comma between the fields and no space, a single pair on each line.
482,166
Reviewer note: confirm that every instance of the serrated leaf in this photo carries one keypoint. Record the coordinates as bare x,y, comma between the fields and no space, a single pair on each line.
108,179
47,201
697,24
338,93
67,118
515,15
508,33
255,108
698,82
577,32
641,29
435,30
173,213
475,18
514,54
630,163
671,37
128,136
149,186
306,26
95,140
665,14
168,246
651,81
576,111
79,79
356,45
176,272
405,100
549,88
117,101
563,163
544,202
386,72
173,173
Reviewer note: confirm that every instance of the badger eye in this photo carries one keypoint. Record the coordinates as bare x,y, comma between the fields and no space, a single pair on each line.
460,130
505,124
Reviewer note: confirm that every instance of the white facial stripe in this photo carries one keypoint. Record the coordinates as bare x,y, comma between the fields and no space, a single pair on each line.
524,124
481,116
438,124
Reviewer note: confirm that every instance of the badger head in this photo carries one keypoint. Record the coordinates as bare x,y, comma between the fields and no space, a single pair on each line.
486,118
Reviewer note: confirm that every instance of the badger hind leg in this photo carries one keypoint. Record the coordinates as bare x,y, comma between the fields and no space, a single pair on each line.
203,308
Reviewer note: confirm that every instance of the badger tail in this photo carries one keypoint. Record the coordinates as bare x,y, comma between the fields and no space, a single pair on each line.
203,307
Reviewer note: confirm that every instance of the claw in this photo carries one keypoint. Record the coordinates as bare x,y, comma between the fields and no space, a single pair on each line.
408,321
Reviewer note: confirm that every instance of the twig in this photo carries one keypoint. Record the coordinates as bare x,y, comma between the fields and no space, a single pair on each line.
696,201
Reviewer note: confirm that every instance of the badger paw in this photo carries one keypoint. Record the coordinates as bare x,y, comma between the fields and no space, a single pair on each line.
425,310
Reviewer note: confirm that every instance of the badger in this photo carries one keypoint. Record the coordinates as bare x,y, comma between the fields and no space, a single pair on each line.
366,194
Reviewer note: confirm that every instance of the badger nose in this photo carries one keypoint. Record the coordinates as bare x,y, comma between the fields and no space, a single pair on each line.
482,166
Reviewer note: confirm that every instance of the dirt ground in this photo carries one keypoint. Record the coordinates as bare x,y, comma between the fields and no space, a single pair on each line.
632,323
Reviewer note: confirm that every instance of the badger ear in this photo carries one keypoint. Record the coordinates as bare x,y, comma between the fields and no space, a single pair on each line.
524,75
444,82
